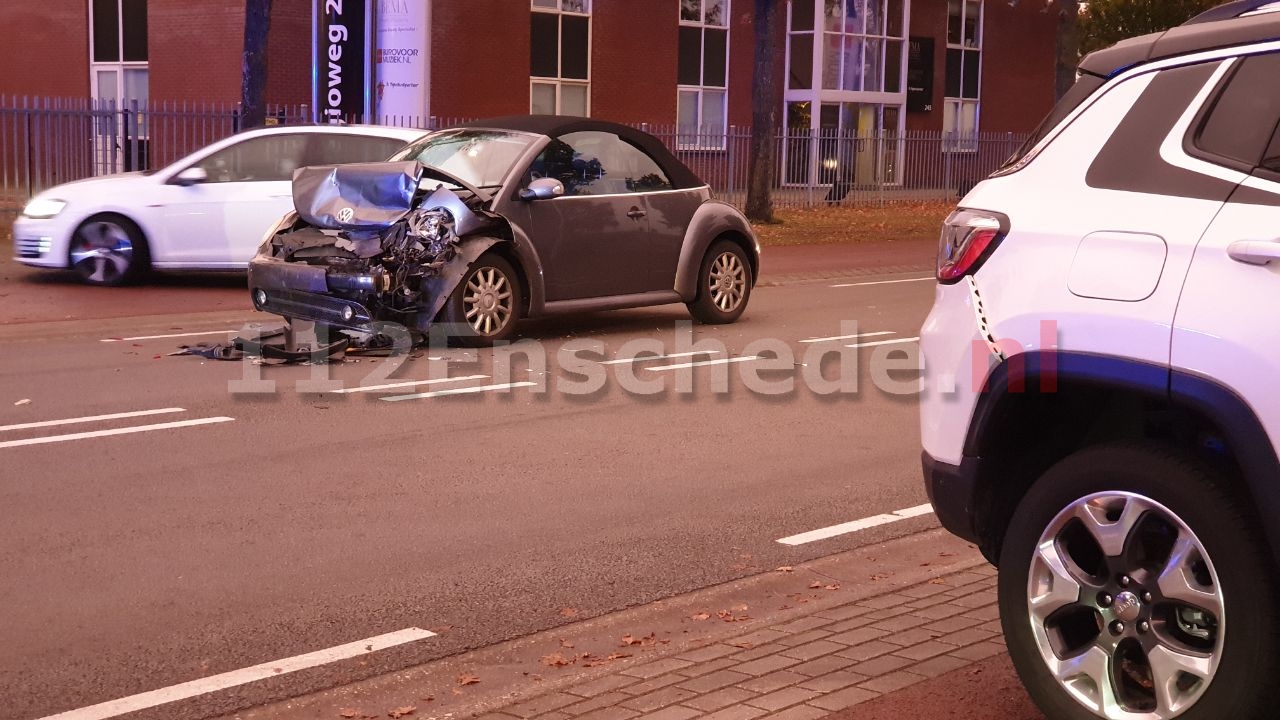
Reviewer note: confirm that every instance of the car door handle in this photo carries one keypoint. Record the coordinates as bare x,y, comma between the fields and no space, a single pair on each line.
635,213
1254,252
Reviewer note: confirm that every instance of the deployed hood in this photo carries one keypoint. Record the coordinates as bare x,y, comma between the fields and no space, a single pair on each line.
357,196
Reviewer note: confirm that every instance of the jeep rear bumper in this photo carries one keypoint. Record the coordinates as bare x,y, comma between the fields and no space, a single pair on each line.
952,491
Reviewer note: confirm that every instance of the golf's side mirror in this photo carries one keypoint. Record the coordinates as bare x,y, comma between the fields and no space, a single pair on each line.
191,176
543,189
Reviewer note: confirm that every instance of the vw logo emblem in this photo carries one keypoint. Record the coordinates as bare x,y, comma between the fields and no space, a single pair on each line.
345,215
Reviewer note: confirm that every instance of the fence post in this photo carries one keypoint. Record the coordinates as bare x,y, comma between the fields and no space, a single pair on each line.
26,142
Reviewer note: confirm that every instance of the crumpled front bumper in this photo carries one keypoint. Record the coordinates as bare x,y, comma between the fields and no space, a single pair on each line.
303,292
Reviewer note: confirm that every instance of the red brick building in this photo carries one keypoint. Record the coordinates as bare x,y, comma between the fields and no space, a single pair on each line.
850,66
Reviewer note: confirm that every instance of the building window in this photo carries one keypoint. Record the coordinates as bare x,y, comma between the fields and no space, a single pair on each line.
845,92
861,45
702,95
964,73
118,51
560,58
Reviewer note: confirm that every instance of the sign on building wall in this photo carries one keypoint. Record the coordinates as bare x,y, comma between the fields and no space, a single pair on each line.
341,67
920,74
403,58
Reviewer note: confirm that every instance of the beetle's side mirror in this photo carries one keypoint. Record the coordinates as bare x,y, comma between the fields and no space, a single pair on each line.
543,189
191,176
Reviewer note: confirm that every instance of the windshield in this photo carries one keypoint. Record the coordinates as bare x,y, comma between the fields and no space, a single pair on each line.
480,157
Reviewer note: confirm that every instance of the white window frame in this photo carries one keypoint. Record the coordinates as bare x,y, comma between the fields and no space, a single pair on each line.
120,66
954,107
706,141
559,83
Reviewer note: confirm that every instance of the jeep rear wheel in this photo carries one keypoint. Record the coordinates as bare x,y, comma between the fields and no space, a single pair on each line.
1118,576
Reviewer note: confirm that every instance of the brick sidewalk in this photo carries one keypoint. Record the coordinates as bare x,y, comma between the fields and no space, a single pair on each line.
801,669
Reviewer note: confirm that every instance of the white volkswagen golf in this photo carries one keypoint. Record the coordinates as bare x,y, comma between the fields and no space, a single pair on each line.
207,211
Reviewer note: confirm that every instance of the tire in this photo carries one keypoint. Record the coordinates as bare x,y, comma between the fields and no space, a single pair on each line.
724,285
1161,514
473,324
108,250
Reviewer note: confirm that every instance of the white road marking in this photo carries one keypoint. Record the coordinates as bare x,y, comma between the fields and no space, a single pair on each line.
856,525
642,358
700,363
899,341
885,282
90,418
459,391
114,431
849,337
175,335
213,683
409,383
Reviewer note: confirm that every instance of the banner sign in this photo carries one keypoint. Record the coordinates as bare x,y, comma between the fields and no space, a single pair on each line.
341,66
920,74
403,58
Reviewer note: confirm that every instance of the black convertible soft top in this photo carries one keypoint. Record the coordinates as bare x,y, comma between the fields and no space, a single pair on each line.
553,126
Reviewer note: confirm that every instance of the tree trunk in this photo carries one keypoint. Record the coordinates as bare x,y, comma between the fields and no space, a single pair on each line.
253,85
1068,46
765,106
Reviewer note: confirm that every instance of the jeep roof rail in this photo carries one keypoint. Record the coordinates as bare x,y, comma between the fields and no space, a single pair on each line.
1235,9
1252,27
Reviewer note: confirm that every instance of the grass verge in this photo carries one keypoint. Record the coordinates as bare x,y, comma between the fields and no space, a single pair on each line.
855,224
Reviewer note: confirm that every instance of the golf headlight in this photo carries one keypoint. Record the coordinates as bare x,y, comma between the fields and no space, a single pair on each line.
43,208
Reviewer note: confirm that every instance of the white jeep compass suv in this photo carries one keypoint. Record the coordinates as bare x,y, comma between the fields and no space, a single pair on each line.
1102,412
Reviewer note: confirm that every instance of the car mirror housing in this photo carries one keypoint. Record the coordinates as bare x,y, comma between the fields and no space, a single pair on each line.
191,176
543,189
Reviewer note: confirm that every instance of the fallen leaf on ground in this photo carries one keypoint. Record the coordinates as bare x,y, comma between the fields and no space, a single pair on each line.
402,711
743,644
785,568
429,698
618,656
23,401
833,586
628,640
815,585
565,643
568,612
700,616
467,679
878,576
349,713
937,581
556,660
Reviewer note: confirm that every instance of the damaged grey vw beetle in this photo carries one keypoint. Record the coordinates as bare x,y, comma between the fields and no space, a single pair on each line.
474,227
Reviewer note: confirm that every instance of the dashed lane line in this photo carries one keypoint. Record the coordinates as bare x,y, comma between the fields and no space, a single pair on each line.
701,363
459,391
885,282
408,383
113,431
214,683
898,341
89,419
849,337
162,337
643,358
856,525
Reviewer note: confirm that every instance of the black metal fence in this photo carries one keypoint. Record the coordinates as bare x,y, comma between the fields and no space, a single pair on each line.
47,141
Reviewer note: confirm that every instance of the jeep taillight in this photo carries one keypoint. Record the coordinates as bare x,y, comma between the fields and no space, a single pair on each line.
968,238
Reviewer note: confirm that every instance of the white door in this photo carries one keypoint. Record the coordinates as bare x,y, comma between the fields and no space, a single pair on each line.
1226,329
220,222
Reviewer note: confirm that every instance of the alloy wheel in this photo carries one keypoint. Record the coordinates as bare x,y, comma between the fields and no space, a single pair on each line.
727,282
488,302
1125,607
102,252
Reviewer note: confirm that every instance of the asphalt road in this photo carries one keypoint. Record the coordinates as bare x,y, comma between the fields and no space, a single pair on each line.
272,524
